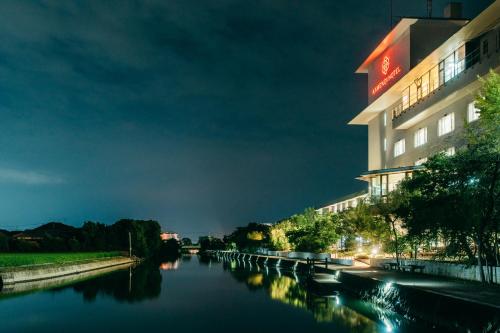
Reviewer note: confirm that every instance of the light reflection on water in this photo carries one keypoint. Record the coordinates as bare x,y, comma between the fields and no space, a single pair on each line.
196,294
285,287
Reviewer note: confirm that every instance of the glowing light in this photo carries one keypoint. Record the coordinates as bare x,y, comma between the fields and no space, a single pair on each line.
385,81
385,65
387,286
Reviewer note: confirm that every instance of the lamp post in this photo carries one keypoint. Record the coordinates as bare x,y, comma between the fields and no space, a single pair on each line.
130,244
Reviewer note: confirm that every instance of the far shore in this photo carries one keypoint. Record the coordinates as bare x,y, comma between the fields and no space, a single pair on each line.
48,266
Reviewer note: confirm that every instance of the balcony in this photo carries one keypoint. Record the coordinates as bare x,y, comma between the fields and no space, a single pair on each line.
451,74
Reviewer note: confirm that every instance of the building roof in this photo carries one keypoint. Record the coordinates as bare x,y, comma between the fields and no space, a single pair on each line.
364,175
485,21
388,40
344,198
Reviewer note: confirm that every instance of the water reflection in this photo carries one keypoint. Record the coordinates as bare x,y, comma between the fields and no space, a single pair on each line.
136,284
286,287
169,265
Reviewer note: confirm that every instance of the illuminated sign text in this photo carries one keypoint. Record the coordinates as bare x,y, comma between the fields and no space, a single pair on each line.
385,81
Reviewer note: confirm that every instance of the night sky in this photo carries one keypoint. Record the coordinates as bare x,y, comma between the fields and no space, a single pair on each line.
203,115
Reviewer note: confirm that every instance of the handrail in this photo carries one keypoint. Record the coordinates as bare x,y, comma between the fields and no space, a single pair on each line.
436,77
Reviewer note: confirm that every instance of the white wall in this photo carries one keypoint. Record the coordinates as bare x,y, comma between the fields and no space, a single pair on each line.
453,270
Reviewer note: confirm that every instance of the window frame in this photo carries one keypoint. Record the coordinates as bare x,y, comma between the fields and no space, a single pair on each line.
442,130
399,147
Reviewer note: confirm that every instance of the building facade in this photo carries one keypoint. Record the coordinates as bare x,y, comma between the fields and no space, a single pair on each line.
422,82
166,235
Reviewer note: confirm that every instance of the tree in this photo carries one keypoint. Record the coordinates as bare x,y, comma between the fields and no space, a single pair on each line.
314,232
186,241
387,208
170,249
361,221
145,237
249,238
457,198
93,236
4,242
278,236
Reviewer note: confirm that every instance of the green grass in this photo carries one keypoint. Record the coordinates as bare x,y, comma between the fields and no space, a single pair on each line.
27,259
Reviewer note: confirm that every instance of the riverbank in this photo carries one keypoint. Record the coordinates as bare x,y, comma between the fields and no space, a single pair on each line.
22,274
363,279
8,260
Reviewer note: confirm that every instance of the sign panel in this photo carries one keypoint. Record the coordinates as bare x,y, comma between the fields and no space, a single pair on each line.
389,67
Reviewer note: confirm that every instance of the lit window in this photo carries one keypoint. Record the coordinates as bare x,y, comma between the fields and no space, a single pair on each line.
450,151
421,137
446,124
399,147
460,59
385,118
385,144
472,112
421,161
449,68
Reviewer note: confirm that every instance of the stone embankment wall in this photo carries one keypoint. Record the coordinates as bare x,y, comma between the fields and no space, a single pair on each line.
308,255
453,270
40,272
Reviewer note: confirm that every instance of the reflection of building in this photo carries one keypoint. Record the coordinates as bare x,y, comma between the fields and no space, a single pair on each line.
422,81
169,235
167,266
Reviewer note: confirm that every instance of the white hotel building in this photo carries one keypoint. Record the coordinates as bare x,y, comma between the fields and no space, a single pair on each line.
422,81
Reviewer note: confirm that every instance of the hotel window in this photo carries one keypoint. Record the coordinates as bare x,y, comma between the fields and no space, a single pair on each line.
449,67
421,161
385,144
420,137
434,78
441,73
450,151
460,59
446,124
472,112
385,118
425,85
413,93
399,147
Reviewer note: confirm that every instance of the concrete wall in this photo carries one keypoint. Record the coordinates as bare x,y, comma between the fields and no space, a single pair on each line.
452,270
29,286
310,255
40,272
339,261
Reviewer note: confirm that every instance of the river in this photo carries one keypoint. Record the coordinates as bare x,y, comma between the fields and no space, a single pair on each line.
195,295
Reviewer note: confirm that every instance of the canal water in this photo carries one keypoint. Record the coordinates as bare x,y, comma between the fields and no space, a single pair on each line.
194,294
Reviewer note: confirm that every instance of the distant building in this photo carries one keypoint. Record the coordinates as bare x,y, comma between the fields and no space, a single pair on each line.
166,235
26,237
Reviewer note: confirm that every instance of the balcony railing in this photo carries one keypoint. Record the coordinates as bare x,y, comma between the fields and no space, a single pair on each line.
448,68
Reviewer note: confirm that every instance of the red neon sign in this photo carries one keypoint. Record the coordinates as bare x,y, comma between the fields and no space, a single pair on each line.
384,67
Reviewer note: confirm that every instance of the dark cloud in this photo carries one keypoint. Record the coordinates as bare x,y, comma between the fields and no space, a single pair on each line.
203,115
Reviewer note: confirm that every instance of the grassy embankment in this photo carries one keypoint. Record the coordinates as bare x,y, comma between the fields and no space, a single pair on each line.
27,259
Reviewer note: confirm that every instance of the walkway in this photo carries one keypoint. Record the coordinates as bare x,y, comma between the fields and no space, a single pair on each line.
461,289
